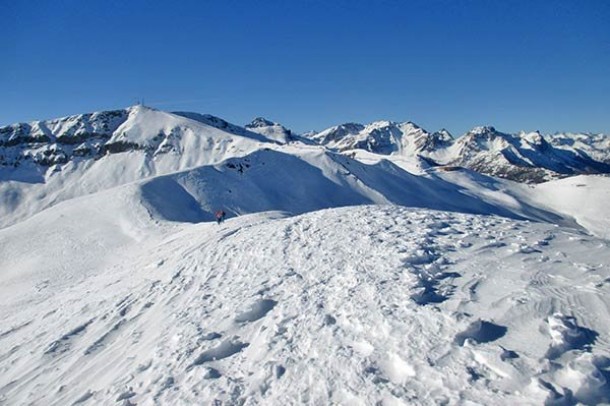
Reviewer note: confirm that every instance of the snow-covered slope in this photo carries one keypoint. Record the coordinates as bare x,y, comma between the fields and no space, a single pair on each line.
309,180
363,305
95,152
585,198
223,125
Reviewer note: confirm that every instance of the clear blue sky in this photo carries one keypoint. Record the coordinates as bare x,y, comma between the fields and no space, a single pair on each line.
312,64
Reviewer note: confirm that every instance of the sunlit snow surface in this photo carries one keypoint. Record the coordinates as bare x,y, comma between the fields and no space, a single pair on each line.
352,278
361,305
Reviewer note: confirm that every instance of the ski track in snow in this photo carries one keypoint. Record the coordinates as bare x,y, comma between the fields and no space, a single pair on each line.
364,305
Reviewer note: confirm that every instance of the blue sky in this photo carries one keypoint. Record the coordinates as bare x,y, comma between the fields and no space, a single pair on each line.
311,64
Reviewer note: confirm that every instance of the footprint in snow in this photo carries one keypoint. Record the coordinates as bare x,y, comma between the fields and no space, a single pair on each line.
212,373
329,320
508,354
481,331
126,395
567,335
83,398
211,336
224,350
256,311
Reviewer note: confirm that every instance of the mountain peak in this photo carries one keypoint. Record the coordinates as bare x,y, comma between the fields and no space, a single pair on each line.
445,132
338,132
270,129
486,129
412,125
533,138
259,122
381,124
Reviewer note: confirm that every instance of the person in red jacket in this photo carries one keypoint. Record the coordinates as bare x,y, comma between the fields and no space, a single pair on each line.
220,216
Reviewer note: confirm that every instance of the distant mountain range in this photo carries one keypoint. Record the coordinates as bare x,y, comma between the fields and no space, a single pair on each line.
195,139
523,157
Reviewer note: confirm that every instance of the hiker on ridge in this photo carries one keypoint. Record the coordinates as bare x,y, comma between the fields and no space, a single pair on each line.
220,216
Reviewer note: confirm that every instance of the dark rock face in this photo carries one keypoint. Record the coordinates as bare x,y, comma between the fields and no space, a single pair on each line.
260,122
58,141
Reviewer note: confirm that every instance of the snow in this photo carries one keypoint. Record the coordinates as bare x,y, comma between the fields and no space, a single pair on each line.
165,143
382,137
525,157
341,276
270,130
317,308
582,197
597,146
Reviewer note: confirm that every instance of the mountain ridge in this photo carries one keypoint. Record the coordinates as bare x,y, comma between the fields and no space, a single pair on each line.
528,157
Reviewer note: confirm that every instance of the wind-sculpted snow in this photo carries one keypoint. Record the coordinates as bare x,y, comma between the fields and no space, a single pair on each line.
322,308
568,335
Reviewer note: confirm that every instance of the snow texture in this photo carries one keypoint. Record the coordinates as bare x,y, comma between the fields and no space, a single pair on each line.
366,277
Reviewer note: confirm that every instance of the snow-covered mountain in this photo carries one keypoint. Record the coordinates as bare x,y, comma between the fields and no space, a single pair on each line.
383,137
92,136
45,162
523,157
271,130
352,268
596,146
